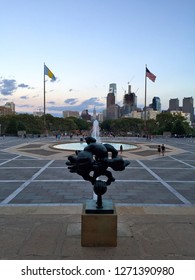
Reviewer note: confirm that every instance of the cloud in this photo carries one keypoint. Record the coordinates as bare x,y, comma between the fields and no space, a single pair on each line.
24,97
25,106
71,101
23,86
7,87
87,104
94,101
51,102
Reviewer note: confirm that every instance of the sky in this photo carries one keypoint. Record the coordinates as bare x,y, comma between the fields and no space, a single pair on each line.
88,44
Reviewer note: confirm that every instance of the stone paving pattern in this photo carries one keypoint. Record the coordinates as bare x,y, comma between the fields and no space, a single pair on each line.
33,174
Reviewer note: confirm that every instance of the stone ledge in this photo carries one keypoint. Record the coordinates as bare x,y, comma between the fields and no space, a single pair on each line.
77,209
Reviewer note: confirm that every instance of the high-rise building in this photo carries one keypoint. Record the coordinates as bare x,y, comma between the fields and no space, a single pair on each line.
188,107
112,88
129,102
174,104
110,99
156,104
111,95
112,111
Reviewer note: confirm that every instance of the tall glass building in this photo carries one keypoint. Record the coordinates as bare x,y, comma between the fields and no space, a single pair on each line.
156,104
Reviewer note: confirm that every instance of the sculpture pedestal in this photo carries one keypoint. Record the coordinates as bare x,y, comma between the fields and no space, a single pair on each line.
98,229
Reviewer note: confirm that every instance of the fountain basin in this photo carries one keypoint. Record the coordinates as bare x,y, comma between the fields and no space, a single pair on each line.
81,145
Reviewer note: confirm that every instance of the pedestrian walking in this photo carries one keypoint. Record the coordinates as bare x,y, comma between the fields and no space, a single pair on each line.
159,149
163,149
121,148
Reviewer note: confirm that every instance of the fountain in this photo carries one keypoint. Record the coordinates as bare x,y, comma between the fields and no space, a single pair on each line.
79,146
96,131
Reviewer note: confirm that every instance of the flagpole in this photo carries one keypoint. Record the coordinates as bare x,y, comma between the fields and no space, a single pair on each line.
145,99
44,122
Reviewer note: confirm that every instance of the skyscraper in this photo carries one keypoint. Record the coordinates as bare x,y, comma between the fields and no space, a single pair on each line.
129,102
112,88
174,104
110,99
112,111
188,107
156,104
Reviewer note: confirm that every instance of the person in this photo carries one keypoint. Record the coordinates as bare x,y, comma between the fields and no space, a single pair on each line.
159,149
121,148
163,149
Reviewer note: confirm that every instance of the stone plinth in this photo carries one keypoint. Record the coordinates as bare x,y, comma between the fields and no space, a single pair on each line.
98,230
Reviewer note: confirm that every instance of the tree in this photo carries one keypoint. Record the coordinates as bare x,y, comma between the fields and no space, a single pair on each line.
21,126
106,125
12,127
152,127
164,122
81,124
123,126
178,128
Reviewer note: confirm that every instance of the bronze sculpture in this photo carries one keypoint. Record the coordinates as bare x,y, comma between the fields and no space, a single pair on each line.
95,158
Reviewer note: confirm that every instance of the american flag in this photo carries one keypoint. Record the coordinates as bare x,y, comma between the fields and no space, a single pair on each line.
151,76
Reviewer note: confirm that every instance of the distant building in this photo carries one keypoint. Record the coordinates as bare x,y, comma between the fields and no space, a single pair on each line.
6,111
156,104
38,113
85,115
136,114
112,88
112,109
188,107
67,114
10,105
129,102
151,114
110,100
100,117
113,112
174,104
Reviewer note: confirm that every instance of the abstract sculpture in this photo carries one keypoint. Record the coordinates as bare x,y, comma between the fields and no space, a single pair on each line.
95,158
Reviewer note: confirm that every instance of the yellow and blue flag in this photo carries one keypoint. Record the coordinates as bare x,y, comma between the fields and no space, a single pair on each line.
49,73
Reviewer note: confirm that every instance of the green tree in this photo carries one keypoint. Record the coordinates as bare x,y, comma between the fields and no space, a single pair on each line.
152,127
12,127
164,122
123,126
81,124
21,126
178,128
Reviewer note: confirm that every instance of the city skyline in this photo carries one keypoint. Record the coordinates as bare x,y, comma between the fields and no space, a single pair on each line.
91,44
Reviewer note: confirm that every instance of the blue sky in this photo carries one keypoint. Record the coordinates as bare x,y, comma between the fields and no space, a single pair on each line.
89,44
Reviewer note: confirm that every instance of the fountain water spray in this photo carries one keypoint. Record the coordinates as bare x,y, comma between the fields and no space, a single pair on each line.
96,131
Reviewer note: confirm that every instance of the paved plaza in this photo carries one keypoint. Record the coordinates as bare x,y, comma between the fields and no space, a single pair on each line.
154,198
